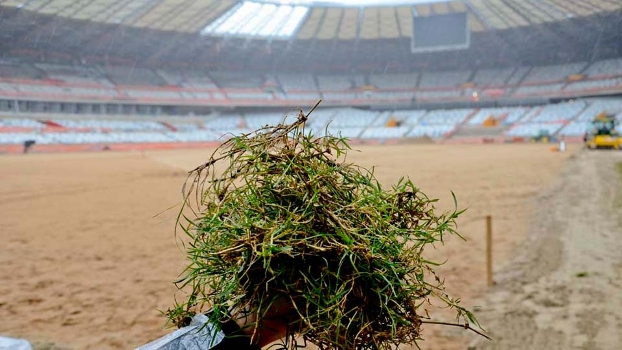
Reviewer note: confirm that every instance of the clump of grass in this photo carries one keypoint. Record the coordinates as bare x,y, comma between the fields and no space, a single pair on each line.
290,221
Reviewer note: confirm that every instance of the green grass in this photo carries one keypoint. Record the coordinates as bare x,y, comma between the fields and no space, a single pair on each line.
290,222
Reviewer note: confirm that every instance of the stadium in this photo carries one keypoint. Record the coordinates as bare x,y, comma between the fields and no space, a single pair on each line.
471,96
528,67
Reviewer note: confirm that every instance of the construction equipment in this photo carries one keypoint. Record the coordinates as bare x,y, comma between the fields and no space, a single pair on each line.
602,133
543,136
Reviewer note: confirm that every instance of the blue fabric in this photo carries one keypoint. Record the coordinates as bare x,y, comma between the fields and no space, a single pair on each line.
199,335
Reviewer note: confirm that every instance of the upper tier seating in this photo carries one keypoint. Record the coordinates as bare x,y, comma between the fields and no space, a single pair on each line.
518,76
394,81
334,82
9,87
20,71
152,94
605,68
123,75
359,80
199,80
492,77
63,82
553,73
238,80
339,96
310,96
79,75
443,79
297,82
539,89
595,84
249,95
66,91
437,95
172,77
390,95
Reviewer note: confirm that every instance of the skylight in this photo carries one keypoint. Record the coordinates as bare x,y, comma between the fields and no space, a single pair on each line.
280,19
261,20
352,2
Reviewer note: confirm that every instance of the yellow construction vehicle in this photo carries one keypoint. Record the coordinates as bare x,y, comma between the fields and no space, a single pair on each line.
602,133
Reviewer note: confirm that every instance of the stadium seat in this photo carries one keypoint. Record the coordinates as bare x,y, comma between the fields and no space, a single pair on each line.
509,115
610,106
614,83
385,133
394,81
559,112
539,89
334,82
123,75
492,77
553,73
443,79
448,117
533,129
20,123
432,131
297,82
605,68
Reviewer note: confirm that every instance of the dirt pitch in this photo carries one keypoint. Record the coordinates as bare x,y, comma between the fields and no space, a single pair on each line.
85,265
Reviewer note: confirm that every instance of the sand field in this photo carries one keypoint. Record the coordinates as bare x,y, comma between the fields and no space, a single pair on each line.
85,263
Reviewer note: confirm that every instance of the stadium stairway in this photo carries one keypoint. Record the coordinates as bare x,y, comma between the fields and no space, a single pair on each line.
465,122
169,126
51,124
532,114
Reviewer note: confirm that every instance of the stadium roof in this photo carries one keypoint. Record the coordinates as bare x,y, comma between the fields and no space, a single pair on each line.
296,35
358,3
310,19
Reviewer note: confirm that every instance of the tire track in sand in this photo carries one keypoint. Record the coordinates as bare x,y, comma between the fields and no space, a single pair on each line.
563,290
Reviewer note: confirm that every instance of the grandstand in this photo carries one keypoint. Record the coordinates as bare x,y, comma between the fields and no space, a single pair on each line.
568,119
111,72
